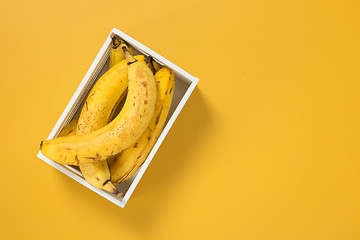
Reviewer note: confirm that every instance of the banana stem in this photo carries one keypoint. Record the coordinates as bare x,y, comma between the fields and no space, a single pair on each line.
151,65
129,58
115,41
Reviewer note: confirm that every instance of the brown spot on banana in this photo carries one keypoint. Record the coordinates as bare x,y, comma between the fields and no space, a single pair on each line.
41,144
92,93
145,102
135,145
106,182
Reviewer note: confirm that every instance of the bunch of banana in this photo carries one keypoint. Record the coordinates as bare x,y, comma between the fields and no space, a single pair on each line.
125,164
91,140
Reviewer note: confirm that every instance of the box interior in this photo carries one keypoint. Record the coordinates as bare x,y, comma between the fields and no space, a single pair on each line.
181,86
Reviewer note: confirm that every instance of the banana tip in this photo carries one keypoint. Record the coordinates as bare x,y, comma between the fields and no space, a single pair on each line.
117,193
112,35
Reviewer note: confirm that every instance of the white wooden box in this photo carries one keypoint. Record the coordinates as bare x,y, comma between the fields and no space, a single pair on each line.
184,85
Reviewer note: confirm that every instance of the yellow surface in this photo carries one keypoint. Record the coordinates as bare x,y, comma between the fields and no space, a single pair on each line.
267,147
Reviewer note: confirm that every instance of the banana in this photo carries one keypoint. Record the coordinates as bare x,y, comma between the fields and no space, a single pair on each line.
70,128
98,175
120,133
126,164
97,115
155,64
116,53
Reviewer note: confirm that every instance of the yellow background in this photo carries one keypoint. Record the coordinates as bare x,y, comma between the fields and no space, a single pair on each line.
267,147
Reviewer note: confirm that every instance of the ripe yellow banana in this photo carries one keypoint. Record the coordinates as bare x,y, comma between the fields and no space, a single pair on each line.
120,133
124,165
70,128
155,64
98,113
116,53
